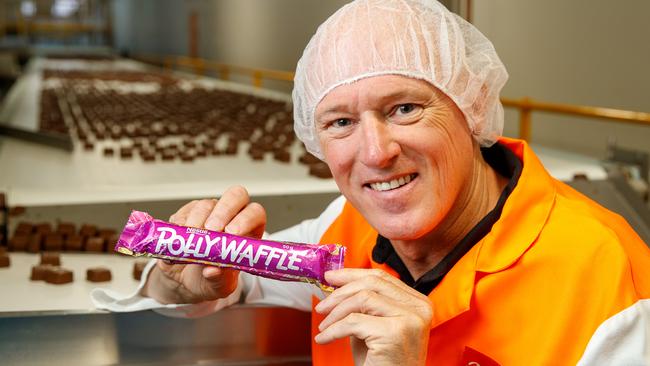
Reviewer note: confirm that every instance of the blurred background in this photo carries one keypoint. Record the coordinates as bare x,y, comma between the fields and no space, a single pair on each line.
107,106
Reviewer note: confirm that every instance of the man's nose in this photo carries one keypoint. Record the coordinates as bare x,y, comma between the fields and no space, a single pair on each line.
377,146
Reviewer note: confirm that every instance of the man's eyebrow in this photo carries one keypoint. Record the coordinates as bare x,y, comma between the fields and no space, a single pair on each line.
402,94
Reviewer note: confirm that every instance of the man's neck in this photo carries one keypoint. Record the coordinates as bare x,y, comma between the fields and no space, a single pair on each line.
477,198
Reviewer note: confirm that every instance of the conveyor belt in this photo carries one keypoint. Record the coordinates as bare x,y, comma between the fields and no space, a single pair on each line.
235,336
615,194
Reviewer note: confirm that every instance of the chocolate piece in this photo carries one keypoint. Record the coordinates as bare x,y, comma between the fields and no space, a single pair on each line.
39,271
58,276
88,145
17,211
108,151
73,243
53,242
4,260
18,243
168,155
187,156
24,228
282,155
95,244
51,258
256,153
148,157
231,149
308,159
66,229
138,268
35,243
107,234
43,228
98,274
87,230
320,170
126,153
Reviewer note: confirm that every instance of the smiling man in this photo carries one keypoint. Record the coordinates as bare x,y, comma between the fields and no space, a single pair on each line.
461,248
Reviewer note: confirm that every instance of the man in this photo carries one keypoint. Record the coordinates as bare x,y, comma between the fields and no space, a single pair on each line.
461,248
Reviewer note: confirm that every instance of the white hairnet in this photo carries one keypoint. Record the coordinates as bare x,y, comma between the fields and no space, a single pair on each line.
415,38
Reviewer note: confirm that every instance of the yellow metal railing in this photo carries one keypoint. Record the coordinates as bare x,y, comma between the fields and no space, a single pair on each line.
525,105
201,66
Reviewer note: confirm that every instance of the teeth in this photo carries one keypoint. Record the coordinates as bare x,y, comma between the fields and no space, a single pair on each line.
395,183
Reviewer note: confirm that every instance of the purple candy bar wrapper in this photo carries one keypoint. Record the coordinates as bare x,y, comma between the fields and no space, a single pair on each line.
145,236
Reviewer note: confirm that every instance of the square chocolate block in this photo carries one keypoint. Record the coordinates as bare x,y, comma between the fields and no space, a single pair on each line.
87,230
18,243
35,243
95,244
4,260
24,228
43,228
39,272
51,258
126,153
282,155
53,242
138,268
58,276
320,170
73,243
98,274
66,229
106,234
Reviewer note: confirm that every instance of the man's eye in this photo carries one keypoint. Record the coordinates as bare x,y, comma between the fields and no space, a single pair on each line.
406,108
341,122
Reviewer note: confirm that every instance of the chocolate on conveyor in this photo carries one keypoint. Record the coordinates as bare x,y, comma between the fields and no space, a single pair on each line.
145,236
138,268
51,258
39,271
34,243
53,241
18,243
4,260
58,276
73,243
95,244
98,274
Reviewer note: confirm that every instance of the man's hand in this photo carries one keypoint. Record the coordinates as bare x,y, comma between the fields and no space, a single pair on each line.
192,283
388,322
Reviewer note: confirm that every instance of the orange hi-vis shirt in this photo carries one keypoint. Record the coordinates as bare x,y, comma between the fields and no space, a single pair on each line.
556,273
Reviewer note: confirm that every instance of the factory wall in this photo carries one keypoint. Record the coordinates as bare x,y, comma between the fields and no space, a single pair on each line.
578,52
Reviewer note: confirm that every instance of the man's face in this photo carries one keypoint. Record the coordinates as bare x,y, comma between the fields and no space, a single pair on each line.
399,149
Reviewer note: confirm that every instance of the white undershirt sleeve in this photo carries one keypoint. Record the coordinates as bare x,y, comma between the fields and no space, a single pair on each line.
623,339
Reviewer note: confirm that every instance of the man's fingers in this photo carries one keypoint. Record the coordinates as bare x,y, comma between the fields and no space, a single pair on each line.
180,216
233,200
211,272
343,276
356,325
364,302
372,280
250,221
199,213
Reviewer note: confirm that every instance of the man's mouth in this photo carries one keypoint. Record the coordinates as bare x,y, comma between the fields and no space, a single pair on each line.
392,184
